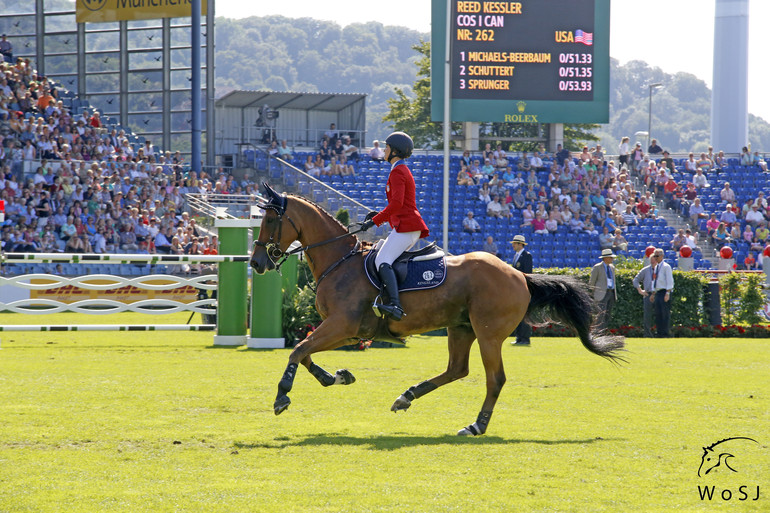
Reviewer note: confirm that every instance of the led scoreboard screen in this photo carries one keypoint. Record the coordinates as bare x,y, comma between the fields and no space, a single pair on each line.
524,61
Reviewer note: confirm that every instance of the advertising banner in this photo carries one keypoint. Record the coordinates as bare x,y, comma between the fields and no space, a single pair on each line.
101,11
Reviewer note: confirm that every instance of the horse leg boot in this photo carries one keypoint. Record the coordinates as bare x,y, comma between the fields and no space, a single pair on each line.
390,287
479,427
282,400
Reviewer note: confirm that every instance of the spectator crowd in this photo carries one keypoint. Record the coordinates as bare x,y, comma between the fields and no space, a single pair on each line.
70,184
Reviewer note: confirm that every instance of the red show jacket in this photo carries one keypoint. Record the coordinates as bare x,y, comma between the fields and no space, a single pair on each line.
401,212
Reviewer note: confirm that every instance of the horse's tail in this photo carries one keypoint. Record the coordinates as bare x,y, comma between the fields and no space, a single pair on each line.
567,301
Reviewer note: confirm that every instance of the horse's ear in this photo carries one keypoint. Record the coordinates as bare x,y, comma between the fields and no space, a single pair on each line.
269,190
275,198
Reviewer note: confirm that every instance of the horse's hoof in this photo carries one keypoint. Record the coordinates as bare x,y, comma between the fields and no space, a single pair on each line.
344,377
471,430
281,404
402,403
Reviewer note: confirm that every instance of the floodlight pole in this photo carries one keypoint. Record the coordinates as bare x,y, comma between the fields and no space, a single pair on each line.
447,119
195,61
649,114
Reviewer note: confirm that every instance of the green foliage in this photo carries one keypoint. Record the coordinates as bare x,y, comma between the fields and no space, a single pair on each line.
729,297
308,55
687,299
304,276
299,314
343,216
752,299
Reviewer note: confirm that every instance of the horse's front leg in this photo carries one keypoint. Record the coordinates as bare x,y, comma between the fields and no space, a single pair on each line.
342,376
330,334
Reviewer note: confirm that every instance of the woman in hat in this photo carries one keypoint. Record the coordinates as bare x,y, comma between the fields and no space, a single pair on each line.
402,214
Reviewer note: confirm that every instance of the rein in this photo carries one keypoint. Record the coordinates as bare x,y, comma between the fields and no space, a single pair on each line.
279,257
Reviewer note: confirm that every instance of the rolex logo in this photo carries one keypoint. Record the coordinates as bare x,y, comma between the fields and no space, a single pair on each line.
521,106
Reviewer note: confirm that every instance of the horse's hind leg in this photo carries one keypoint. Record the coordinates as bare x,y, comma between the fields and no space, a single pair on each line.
492,357
460,341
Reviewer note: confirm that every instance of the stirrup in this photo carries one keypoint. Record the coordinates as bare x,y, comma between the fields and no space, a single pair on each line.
393,311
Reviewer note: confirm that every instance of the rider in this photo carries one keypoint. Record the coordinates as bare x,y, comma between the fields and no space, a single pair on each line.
402,214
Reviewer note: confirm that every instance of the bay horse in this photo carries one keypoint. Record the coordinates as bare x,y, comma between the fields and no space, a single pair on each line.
482,298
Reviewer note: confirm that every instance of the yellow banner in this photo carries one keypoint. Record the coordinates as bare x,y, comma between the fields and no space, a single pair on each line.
99,11
126,294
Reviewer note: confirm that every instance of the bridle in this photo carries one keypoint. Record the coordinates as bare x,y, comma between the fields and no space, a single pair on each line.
272,247
278,257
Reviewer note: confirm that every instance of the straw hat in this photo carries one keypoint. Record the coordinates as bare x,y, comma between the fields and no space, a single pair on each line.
607,253
520,239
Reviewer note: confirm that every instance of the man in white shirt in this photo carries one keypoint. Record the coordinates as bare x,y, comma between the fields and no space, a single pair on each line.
754,216
376,152
470,225
699,180
663,285
536,162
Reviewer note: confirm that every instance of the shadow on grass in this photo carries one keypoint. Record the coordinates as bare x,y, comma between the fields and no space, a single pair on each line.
393,442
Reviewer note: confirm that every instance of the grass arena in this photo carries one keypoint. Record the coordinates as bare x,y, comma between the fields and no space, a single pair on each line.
167,422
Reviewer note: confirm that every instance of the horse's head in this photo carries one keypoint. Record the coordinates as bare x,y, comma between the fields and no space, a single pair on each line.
275,236
708,461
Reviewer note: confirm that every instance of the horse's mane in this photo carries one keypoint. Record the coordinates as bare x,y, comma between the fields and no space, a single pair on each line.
320,209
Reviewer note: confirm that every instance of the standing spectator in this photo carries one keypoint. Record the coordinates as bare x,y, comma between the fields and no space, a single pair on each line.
522,262
603,282
623,149
663,285
470,225
643,284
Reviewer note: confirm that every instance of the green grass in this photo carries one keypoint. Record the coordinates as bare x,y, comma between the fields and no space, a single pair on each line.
164,422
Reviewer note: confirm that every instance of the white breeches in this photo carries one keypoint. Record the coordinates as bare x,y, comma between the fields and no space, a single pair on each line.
394,245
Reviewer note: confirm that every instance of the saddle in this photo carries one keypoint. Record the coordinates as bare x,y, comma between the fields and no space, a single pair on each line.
420,269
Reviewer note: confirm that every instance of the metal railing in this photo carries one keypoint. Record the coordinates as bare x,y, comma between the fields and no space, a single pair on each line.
260,136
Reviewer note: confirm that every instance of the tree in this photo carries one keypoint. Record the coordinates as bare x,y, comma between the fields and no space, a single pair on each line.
412,115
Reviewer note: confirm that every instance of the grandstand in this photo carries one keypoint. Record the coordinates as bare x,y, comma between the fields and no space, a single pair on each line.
562,249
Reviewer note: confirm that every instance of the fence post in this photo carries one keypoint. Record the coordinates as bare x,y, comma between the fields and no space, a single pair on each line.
232,296
266,305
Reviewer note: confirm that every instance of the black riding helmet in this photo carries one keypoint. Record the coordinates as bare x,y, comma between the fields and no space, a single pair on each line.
401,144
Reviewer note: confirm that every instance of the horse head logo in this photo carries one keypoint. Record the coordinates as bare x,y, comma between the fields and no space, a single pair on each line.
715,456
94,5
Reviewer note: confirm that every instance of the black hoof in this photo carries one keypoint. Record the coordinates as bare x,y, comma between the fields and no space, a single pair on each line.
281,403
345,377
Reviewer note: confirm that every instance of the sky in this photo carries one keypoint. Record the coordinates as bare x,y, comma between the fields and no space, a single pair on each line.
674,35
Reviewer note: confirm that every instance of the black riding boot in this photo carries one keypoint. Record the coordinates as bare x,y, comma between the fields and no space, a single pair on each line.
390,288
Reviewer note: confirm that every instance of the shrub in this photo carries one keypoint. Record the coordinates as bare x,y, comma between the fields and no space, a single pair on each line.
752,299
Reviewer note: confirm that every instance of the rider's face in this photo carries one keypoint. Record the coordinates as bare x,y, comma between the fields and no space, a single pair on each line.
387,152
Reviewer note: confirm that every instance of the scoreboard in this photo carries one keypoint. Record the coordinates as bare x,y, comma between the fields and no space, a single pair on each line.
523,61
